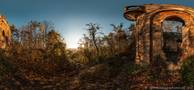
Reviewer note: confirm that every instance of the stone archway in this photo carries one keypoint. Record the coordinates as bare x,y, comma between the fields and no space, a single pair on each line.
157,37
171,38
148,33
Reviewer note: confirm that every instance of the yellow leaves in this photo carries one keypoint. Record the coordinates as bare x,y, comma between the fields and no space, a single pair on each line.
58,52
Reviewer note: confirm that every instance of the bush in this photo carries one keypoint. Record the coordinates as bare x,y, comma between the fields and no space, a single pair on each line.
187,71
5,66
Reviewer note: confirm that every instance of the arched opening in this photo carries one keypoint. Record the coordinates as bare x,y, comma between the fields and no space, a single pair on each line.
172,38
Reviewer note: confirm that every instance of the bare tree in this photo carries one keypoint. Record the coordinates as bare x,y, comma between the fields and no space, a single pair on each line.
93,30
120,38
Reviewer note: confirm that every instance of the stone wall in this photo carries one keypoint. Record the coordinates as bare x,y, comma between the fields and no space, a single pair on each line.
5,33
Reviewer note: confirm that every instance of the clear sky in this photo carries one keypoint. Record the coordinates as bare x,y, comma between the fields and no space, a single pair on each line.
70,16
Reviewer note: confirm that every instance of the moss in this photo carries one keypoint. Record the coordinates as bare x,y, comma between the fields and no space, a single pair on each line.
187,71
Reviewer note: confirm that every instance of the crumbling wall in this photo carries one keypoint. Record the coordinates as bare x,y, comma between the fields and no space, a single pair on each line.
148,29
5,33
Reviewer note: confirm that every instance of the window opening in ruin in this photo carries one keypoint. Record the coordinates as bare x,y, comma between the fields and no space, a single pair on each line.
172,38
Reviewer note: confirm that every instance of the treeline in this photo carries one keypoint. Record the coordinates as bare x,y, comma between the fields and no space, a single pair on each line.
38,56
96,46
38,47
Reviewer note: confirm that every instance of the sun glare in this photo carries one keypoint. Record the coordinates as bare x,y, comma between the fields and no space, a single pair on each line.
72,45
72,42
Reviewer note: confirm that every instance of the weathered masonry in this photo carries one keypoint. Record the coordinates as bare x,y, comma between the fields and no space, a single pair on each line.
155,35
5,32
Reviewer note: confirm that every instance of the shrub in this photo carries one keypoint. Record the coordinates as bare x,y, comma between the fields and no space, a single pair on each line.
187,71
5,66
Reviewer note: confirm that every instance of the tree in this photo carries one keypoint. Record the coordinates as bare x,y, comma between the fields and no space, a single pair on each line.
120,38
55,43
15,33
93,30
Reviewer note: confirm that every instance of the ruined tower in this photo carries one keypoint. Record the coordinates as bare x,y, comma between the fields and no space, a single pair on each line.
154,42
5,33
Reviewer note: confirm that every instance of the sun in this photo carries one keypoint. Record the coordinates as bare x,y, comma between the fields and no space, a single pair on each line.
72,41
74,32
73,45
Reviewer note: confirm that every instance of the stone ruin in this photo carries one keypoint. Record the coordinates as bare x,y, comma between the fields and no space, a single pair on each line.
5,33
152,41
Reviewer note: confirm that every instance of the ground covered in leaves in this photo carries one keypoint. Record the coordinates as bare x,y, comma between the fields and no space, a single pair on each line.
112,74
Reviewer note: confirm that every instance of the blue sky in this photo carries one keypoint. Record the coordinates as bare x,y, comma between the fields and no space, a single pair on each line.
70,16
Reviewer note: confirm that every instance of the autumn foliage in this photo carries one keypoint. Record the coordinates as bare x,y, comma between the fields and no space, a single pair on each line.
38,59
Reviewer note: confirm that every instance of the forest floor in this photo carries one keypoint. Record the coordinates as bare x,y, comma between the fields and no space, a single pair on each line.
112,74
